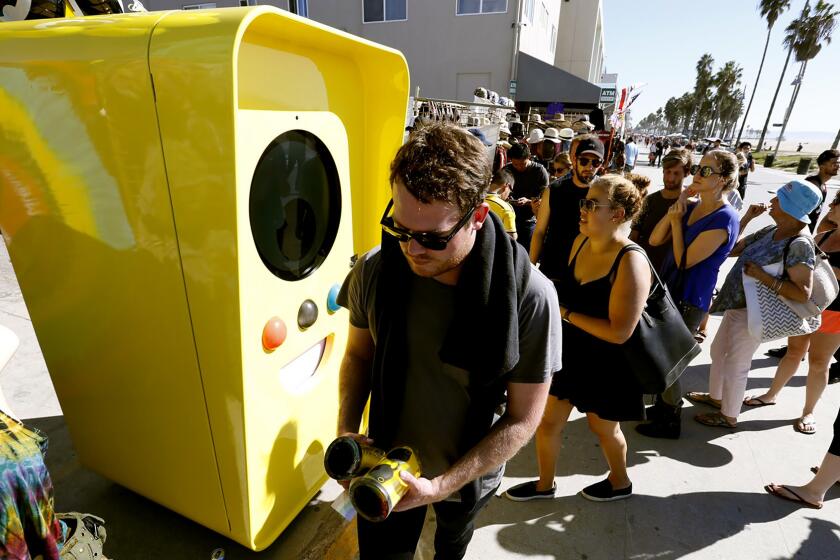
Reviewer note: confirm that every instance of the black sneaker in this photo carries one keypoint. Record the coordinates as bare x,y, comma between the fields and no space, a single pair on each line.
834,373
777,352
528,491
665,423
603,492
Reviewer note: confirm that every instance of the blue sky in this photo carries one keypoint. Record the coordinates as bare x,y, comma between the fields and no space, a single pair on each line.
660,41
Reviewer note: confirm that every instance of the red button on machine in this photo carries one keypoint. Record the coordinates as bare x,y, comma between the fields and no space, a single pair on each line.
274,333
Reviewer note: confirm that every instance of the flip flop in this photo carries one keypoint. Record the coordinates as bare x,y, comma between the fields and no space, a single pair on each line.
760,402
802,427
714,420
773,490
700,337
816,470
702,398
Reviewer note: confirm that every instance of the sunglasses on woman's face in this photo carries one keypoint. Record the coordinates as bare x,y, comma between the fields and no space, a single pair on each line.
431,241
705,170
590,204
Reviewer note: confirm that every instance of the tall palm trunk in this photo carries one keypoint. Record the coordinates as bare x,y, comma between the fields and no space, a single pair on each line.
755,87
773,103
793,97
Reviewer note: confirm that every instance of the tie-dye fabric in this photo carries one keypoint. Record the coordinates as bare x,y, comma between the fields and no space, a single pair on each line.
28,526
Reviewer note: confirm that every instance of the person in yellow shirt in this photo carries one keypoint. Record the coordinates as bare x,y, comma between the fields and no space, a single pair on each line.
497,195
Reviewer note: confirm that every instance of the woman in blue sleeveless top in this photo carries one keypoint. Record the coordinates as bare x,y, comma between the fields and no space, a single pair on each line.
702,233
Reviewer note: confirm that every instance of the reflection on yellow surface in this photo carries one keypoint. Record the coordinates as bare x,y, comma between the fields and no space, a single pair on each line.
129,155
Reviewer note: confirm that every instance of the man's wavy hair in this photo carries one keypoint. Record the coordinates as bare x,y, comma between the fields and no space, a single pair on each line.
443,162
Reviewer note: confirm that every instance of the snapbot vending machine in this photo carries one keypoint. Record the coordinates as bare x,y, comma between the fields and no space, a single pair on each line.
181,194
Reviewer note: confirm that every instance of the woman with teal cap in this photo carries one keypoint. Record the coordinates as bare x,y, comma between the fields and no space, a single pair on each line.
733,347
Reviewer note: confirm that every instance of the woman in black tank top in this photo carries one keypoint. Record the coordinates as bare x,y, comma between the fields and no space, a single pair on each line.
602,287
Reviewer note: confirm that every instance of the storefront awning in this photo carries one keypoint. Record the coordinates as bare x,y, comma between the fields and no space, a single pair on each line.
538,83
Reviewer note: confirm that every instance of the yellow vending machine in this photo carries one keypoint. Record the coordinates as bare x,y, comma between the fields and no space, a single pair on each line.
181,194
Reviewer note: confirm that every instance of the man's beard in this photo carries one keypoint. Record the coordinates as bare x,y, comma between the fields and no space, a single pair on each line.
581,179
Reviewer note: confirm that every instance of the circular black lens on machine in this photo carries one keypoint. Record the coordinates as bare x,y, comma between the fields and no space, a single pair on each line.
295,205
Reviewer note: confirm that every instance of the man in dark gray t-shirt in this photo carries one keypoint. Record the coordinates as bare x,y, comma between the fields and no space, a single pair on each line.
675,168
433,416
407,305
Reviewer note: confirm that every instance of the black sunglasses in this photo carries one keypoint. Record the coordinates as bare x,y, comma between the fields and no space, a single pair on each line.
432,241
705,170
595,162
38,9
102,7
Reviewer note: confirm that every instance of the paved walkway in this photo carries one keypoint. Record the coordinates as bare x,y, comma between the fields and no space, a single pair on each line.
700,497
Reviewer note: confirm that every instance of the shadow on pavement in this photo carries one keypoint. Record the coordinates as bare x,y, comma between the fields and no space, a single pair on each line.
644,526
581,453
822,538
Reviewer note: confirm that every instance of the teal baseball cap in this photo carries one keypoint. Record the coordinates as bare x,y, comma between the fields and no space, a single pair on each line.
798,199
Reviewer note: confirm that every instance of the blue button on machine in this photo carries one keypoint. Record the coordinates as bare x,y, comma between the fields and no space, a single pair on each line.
332,299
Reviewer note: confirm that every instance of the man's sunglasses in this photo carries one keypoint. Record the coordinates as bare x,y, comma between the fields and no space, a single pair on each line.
49,9
432,241
705,170
102,7
590,204
585,162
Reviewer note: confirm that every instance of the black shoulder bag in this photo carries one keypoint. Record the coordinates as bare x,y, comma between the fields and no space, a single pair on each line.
661,346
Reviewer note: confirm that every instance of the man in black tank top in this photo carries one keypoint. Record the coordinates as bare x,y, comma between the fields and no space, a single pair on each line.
564,199
829,166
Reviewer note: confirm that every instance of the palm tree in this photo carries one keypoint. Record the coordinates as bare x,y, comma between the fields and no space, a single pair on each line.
660,120
770,10
730,113
701,87
728,83
672,113
805,36
685,105
773,103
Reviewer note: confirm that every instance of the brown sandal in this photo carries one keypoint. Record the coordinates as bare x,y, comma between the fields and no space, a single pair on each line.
775,490
703,398
714,420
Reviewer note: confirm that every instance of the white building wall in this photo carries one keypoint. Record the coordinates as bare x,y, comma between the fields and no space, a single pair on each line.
580,45
541,19
448,55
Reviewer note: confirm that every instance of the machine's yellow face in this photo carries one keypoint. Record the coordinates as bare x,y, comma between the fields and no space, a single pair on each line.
295,243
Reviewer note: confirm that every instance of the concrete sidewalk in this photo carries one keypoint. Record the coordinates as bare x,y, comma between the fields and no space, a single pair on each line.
700,497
